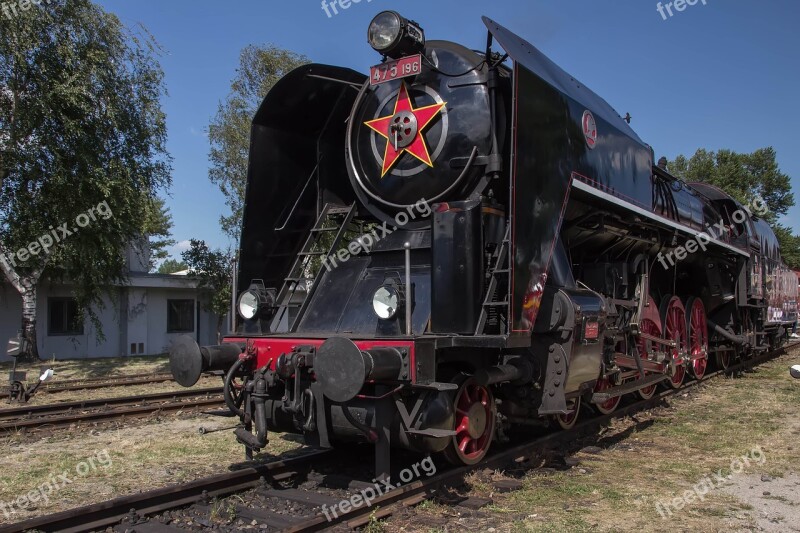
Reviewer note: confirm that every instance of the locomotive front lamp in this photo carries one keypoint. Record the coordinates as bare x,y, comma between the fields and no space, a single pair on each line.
255,301
387,301
395,36
248,305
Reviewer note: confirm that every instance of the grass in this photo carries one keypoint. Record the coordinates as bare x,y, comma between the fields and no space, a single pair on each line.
105,368
139,458
93,368
653,457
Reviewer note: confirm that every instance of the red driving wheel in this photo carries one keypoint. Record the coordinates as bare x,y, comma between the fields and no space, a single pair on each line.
609,406
697,328
568,420
475,419
650,324
674,316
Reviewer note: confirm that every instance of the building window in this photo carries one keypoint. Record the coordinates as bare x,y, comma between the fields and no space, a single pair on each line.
180,316
63,317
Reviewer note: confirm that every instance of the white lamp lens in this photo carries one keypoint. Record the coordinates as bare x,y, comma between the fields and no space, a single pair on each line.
248,305
385,303
384,30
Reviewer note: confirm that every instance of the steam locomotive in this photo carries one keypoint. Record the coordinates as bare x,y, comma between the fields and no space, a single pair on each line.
467,241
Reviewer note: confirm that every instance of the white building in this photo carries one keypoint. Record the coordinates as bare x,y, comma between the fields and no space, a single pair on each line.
140,318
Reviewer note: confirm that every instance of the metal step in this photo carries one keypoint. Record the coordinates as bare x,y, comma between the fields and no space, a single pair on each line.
338,210
436,433
625,388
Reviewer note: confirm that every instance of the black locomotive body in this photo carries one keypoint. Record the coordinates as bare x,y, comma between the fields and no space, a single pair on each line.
466,241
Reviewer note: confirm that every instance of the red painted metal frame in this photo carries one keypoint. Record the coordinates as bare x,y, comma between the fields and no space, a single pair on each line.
268,349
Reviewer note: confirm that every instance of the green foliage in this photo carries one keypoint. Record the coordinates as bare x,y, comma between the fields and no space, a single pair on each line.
374,525
260,67
157,225
790,245
747,177
213,269
743,176
170,266
80,124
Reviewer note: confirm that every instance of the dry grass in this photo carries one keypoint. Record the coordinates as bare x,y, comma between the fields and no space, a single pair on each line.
44,398
105,368
94,368
141,458
652,458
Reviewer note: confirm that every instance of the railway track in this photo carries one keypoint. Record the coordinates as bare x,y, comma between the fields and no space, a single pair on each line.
296,508
98,383
55,416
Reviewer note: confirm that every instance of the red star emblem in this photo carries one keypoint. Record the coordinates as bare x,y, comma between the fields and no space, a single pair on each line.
401,125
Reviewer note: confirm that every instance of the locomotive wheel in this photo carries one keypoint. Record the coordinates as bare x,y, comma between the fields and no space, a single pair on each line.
650,324
697,330
674,316
476,415
724,360
608,407
568,421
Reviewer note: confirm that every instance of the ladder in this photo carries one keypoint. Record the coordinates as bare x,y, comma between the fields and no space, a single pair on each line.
501,268
333,221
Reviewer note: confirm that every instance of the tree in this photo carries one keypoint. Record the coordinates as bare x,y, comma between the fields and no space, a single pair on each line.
170,266
747,177
157,225
743,176
213,270
260,67
82,149
790,245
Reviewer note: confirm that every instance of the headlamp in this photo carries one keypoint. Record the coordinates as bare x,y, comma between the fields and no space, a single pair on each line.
395,36
256,301
387,301
248,305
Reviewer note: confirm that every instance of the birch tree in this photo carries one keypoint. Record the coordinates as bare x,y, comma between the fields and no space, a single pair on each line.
82,149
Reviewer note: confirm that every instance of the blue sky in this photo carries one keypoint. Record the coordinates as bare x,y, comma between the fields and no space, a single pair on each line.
720,75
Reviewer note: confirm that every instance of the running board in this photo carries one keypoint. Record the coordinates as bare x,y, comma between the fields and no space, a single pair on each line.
432,432
633,386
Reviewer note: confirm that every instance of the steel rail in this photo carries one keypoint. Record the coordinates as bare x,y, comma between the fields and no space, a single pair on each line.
76,385
105,514
68,407
417,491
73,381
54,422
112,512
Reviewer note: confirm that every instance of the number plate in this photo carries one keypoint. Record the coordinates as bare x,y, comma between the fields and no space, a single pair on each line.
394,70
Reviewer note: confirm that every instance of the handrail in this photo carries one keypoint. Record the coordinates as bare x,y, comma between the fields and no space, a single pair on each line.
299,197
